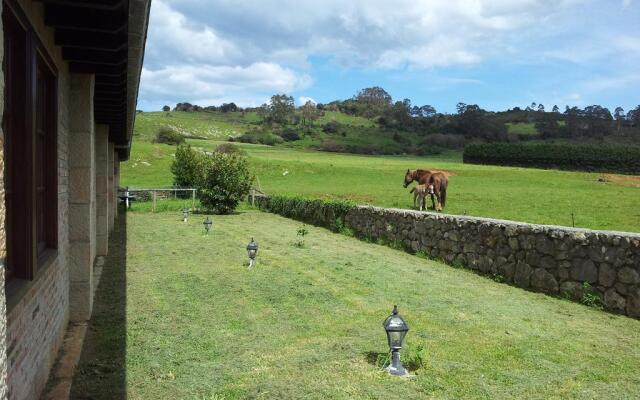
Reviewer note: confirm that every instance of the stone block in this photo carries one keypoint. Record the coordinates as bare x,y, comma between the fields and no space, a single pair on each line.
522,275
584,271
633,302
80,301
628,275
80,222
80,189
544,281
614,302
606,275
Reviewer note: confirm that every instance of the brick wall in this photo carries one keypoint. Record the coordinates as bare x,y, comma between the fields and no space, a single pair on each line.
3,247
37,317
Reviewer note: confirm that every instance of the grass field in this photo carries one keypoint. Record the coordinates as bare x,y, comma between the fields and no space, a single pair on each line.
530,195
188,320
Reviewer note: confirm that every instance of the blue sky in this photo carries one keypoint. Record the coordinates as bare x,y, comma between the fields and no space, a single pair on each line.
494,53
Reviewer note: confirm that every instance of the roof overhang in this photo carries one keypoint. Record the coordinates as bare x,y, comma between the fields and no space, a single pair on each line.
106,38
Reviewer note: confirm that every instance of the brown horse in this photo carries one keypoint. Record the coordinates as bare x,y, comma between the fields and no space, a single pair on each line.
436,182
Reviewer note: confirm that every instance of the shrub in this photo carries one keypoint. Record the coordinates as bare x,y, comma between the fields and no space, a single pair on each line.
225,181
326,213
621,159
331,127
187,167
168,135
290,135
331,145
256,136
229,148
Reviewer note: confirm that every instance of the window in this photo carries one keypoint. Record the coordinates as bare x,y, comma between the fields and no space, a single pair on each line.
30,148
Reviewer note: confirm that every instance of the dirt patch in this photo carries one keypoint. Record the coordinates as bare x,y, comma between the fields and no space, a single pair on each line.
624,180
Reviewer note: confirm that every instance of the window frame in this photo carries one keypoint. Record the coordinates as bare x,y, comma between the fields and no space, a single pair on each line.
28,251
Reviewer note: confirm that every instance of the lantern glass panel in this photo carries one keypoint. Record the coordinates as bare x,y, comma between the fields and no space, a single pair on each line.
395,338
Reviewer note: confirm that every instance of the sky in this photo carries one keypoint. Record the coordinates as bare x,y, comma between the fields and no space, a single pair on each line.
495,53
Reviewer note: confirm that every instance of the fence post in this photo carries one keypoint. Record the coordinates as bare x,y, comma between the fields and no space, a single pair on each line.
154,200
193,199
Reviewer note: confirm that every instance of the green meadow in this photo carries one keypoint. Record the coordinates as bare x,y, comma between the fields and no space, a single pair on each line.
188,320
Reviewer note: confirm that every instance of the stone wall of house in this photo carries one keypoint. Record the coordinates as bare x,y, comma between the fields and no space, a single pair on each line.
550,259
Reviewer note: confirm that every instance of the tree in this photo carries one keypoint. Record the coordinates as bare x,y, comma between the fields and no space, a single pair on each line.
619,115
633,116
540,107
281,108
225,181
263,112
426,111
166,108
555,109
599,120
373,101
228,107
309,112
187,167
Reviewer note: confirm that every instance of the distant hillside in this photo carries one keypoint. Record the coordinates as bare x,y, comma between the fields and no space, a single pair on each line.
372,123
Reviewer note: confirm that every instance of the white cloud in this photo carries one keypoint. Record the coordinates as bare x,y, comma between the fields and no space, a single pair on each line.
245,51
302,100
206,84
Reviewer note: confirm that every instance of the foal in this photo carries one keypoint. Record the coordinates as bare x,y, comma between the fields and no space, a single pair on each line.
420,193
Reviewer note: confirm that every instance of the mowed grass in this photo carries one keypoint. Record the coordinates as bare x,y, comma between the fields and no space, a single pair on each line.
520,194
306,323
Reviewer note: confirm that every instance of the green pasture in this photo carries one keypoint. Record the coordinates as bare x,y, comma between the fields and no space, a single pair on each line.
521,194
178,315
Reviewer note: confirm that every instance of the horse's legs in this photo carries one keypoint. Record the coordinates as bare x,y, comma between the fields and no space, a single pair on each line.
439,206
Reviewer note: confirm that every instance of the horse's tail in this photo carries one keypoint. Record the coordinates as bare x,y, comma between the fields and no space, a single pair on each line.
443,192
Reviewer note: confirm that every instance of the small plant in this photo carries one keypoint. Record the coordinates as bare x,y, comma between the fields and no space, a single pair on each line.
498,278
589,298
300,234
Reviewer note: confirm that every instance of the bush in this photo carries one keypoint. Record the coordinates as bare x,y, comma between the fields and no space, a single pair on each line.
290,135
257,136
326,213
332,146
229,148
187,167
620,159
225,181
168,135
331,127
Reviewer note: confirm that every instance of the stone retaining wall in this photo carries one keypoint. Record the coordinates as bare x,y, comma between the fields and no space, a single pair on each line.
556,260
550,259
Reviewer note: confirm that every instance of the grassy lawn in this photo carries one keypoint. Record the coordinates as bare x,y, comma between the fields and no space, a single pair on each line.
521,194
306,323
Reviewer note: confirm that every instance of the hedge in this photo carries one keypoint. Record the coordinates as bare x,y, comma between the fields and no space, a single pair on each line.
326,213
605,158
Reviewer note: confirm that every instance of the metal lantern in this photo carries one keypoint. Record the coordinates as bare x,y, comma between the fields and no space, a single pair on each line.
252,251
185,214
396,329
207,225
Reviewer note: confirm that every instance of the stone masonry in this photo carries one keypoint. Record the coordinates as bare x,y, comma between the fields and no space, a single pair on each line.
550,259
82,204
102,189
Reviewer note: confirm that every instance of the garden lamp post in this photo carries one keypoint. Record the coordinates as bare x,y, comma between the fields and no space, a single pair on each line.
207,225
396,329
185,214
252,251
